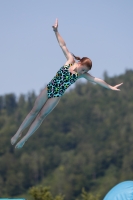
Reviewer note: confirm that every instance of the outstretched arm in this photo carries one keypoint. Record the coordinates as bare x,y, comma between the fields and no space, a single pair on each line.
62,43
100,82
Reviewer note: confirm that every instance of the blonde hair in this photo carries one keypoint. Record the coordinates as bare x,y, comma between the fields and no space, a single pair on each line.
84,61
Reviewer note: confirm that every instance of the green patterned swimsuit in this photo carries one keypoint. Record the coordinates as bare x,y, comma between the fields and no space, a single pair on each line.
63,79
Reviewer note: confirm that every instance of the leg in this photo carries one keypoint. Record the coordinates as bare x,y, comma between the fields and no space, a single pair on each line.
48,107
39,103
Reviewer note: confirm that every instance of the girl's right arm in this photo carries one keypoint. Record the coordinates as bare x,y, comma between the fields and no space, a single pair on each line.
62,43
101,82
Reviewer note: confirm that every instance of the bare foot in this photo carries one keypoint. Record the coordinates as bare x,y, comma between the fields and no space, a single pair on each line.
14,139
20,144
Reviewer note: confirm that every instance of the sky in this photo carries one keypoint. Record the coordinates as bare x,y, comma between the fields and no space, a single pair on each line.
30,55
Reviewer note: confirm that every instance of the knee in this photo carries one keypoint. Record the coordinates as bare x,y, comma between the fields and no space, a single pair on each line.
41,116
34,111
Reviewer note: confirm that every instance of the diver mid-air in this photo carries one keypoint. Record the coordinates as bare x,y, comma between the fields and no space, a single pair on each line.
52,93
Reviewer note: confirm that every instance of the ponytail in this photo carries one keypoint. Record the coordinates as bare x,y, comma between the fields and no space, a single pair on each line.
84,61
76,57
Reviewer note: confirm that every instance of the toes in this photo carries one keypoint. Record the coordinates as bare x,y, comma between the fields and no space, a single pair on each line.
19,145
12,141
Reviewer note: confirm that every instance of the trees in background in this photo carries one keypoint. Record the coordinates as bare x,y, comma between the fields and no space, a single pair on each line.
86,142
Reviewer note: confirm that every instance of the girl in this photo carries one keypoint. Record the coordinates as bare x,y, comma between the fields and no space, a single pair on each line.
51,94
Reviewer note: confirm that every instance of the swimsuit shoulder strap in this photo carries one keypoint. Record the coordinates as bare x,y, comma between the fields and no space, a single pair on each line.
68,65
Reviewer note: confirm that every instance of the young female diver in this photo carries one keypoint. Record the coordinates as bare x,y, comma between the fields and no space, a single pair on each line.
51,94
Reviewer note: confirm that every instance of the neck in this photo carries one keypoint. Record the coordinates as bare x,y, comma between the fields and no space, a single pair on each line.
75,66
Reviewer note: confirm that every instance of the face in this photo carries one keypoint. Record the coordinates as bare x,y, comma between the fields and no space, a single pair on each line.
81,69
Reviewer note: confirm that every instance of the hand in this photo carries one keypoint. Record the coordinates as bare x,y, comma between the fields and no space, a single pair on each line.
55,25
116,87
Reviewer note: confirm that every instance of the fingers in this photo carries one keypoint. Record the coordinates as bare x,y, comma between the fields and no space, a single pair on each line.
117,89
55,26
118,85
55,20
56,23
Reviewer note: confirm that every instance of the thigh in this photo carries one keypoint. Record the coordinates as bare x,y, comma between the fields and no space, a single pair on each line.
48,107
40,101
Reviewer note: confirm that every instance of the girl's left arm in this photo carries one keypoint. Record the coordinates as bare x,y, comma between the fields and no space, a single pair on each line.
62,43
100,82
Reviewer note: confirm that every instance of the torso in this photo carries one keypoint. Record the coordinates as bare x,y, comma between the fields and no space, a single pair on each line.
73,72
63,79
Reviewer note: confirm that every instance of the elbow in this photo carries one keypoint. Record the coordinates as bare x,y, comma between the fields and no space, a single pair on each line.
62,45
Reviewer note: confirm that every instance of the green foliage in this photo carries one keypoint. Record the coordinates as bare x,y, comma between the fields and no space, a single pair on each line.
89,196
43,193
10,103
86,142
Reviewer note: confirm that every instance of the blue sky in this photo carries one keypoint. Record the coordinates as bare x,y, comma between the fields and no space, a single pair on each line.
30,54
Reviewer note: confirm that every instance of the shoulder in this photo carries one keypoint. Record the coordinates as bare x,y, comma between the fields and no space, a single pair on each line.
86,76
70,61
